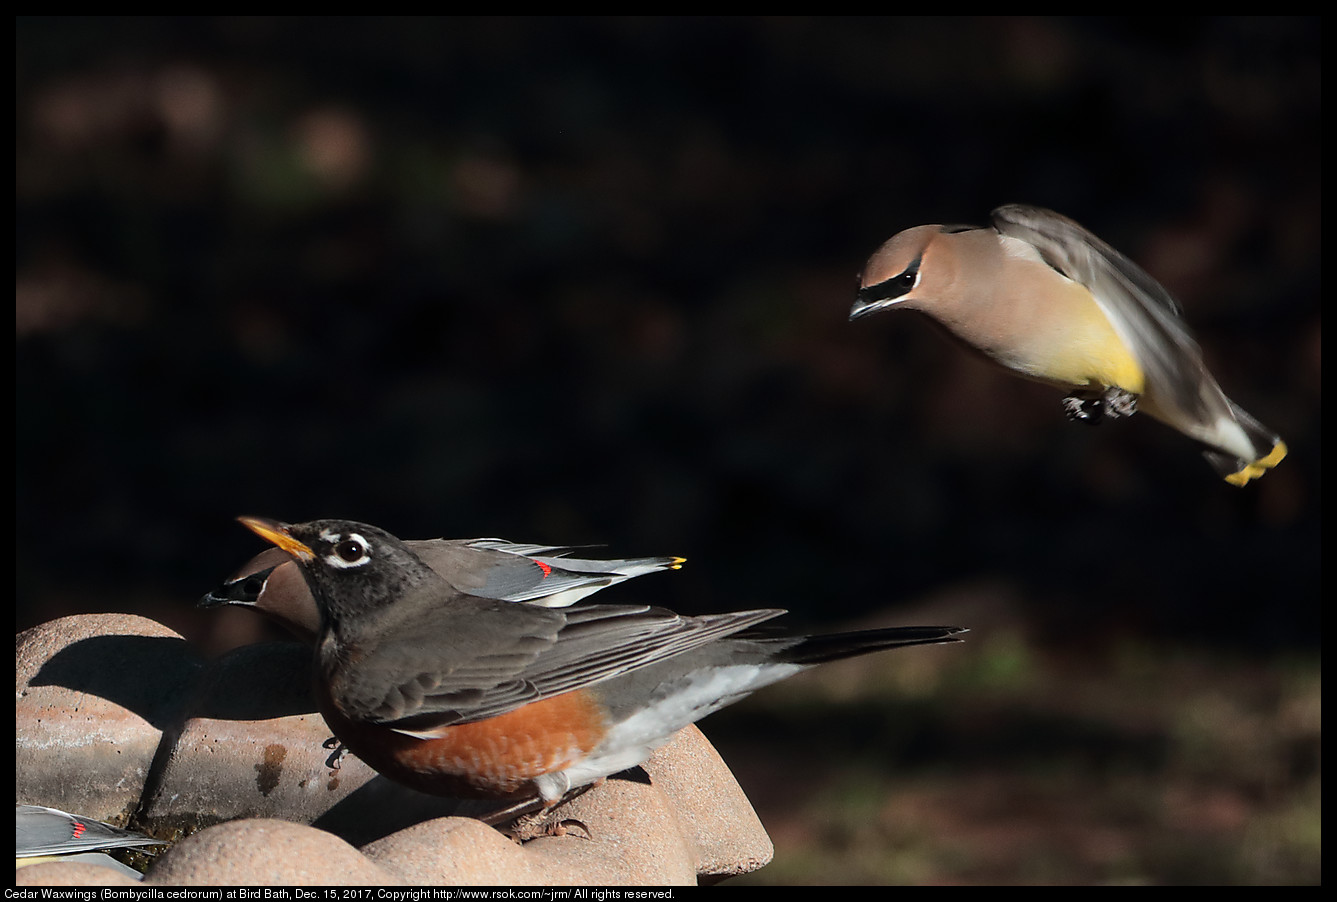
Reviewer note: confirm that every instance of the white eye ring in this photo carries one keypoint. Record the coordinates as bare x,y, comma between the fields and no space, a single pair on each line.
353,551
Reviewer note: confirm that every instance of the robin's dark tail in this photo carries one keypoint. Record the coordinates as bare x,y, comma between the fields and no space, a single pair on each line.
833,647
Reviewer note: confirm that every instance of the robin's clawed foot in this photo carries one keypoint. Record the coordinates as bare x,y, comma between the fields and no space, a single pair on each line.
335,761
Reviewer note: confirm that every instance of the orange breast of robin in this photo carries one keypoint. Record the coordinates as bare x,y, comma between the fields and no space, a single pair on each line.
489,758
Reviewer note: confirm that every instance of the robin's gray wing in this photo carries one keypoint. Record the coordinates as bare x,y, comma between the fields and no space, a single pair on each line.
1142,312
480,658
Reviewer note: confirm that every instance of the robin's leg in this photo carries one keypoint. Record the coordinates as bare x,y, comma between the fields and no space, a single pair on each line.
514,811
529,817
563,826
335,761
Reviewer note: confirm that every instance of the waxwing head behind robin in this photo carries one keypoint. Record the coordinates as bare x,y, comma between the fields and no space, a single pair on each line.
353,569
273,584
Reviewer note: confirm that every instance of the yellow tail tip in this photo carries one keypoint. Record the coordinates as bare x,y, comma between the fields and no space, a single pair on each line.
1258,467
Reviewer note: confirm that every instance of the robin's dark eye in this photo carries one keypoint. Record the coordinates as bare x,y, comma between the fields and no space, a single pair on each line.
351,550
906,280
344,551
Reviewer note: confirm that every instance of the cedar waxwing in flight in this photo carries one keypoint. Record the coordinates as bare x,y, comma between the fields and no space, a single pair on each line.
1043,297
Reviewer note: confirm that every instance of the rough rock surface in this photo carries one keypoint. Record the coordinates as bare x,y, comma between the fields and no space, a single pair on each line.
116,717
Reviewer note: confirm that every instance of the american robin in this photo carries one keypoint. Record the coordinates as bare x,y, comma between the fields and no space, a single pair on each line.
47,834
544,575
454,694
1043,297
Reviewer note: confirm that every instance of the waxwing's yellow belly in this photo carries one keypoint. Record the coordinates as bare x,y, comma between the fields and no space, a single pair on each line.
1069,341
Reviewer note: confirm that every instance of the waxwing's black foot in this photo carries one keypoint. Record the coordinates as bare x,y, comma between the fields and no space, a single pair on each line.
1119,403
1087,407
1084,410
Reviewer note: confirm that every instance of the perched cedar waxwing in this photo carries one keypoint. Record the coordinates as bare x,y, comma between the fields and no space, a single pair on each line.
49,834
457,695
543,575
1043,297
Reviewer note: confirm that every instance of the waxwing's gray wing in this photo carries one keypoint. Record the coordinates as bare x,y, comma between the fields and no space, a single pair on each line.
1145,315
49,831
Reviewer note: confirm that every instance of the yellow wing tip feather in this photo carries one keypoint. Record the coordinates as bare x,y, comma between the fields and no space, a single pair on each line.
1258,467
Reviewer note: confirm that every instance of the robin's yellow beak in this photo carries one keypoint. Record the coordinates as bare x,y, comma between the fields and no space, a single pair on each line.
276,532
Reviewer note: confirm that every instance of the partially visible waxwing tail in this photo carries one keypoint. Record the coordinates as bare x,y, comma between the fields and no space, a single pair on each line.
1268,450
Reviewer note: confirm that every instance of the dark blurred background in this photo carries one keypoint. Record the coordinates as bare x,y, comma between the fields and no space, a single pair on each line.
587,281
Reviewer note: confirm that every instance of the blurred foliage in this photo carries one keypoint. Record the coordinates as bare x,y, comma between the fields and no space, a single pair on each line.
586,280
1145,765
